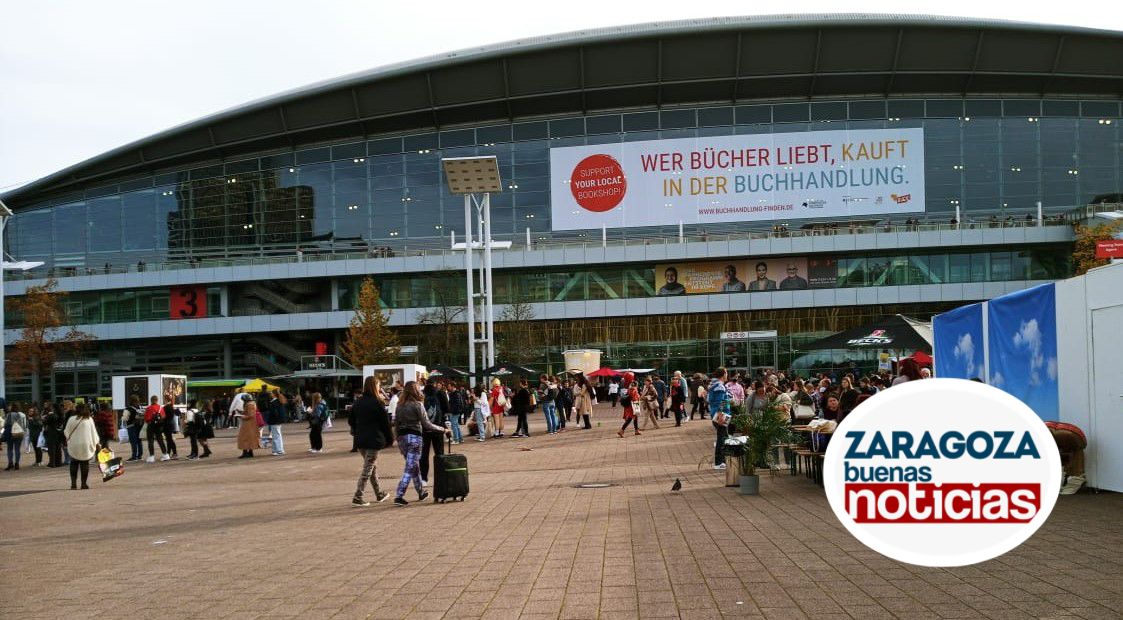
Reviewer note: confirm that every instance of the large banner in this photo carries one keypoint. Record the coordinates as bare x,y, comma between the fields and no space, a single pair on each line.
744,275
1022,339
784,176
958,343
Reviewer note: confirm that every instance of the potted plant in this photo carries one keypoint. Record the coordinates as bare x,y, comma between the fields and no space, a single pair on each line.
762,430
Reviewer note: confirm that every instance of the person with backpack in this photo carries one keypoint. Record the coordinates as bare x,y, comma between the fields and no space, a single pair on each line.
52,429
436,409
154,430
499,404
15,427
171,416
520,405
698,397
717,400
317,416
370,424
629,398
678,397
564,403
457,407
411,422
191,429
134,422
549,388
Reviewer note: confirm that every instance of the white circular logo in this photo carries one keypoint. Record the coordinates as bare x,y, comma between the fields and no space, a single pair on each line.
942,472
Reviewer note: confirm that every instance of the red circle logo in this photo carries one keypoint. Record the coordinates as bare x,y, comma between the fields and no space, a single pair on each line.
598,183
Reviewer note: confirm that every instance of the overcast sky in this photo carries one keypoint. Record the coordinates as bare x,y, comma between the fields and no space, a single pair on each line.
81,77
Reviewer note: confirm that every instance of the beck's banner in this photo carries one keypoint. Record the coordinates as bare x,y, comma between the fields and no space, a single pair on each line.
764,177
1022,338
958,343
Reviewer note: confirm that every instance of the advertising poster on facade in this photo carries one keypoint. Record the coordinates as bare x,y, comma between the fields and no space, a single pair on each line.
958,343
764,177
743,276
1022,338
136,386
175,389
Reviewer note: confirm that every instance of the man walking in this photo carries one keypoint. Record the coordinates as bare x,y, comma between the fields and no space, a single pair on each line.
661,396
275,418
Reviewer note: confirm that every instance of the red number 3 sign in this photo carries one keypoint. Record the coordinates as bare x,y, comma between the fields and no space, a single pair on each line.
188,302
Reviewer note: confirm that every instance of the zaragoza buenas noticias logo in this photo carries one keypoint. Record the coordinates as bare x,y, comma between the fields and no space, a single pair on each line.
942,472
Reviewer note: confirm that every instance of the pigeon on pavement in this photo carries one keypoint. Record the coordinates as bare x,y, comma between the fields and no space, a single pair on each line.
677,486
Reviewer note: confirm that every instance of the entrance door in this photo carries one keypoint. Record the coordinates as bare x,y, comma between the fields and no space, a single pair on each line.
1107,414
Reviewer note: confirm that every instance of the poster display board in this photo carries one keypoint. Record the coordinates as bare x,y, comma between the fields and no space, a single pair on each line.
744,275
146,386
958,343
389,374
1022,338
762,177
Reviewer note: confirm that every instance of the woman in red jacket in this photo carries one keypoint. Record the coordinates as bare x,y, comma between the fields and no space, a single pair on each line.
630,400
104,422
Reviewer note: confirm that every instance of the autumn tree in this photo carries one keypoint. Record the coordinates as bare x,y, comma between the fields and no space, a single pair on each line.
45,337
514,339
1084,254
443,334
369,337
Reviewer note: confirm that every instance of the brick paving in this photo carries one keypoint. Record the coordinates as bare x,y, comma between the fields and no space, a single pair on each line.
276,537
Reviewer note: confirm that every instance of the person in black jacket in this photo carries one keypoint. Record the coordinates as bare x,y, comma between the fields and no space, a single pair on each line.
520,406
437,408
171,414
275,415
370,424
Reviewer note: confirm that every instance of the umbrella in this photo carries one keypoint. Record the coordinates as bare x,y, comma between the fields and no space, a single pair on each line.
503,369
922,358
446,371
604,371
894,331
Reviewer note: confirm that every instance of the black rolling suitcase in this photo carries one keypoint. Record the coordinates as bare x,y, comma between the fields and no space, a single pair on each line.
451,476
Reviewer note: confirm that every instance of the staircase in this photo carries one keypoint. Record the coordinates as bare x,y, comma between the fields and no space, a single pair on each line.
270,367
282,349
277,300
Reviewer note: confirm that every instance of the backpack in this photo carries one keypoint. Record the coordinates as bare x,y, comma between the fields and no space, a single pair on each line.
551,394
625,398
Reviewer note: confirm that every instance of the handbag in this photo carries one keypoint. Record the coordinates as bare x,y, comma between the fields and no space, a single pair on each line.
260,419
17,428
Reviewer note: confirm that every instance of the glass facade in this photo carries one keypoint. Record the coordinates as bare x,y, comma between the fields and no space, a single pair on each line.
988,157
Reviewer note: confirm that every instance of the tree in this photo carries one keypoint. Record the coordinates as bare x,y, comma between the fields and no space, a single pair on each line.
369,337
46,334
1084,254
443,334
514,341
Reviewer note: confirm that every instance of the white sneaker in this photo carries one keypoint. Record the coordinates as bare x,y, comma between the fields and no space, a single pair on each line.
313,451
424,482
165,457
150,459
722,466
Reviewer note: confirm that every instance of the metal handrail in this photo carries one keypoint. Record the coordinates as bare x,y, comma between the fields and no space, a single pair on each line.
236,256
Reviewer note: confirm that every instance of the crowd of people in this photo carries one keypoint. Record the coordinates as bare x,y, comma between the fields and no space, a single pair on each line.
419,417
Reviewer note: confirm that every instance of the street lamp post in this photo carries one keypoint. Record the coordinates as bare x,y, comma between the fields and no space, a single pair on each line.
476,178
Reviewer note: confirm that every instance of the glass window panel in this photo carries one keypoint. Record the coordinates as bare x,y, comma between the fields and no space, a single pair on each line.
1106,109
943,108
531,131
567,127
906,108
867,109
790,112
715,117
677,119
460,137
1062,108
104,224
423,142
641,121
495,134
1021,107
603,124
753,114
983,107
829,111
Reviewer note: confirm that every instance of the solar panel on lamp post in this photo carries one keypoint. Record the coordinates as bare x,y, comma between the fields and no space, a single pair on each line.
468,176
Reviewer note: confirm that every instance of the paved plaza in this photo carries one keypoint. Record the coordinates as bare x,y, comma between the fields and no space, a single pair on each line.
276,537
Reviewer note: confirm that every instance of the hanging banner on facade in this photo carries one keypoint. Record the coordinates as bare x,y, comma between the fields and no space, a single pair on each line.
958,343
744,275
765,177
1022,338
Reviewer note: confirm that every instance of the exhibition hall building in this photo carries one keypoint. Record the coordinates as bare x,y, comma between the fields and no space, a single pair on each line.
676,195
